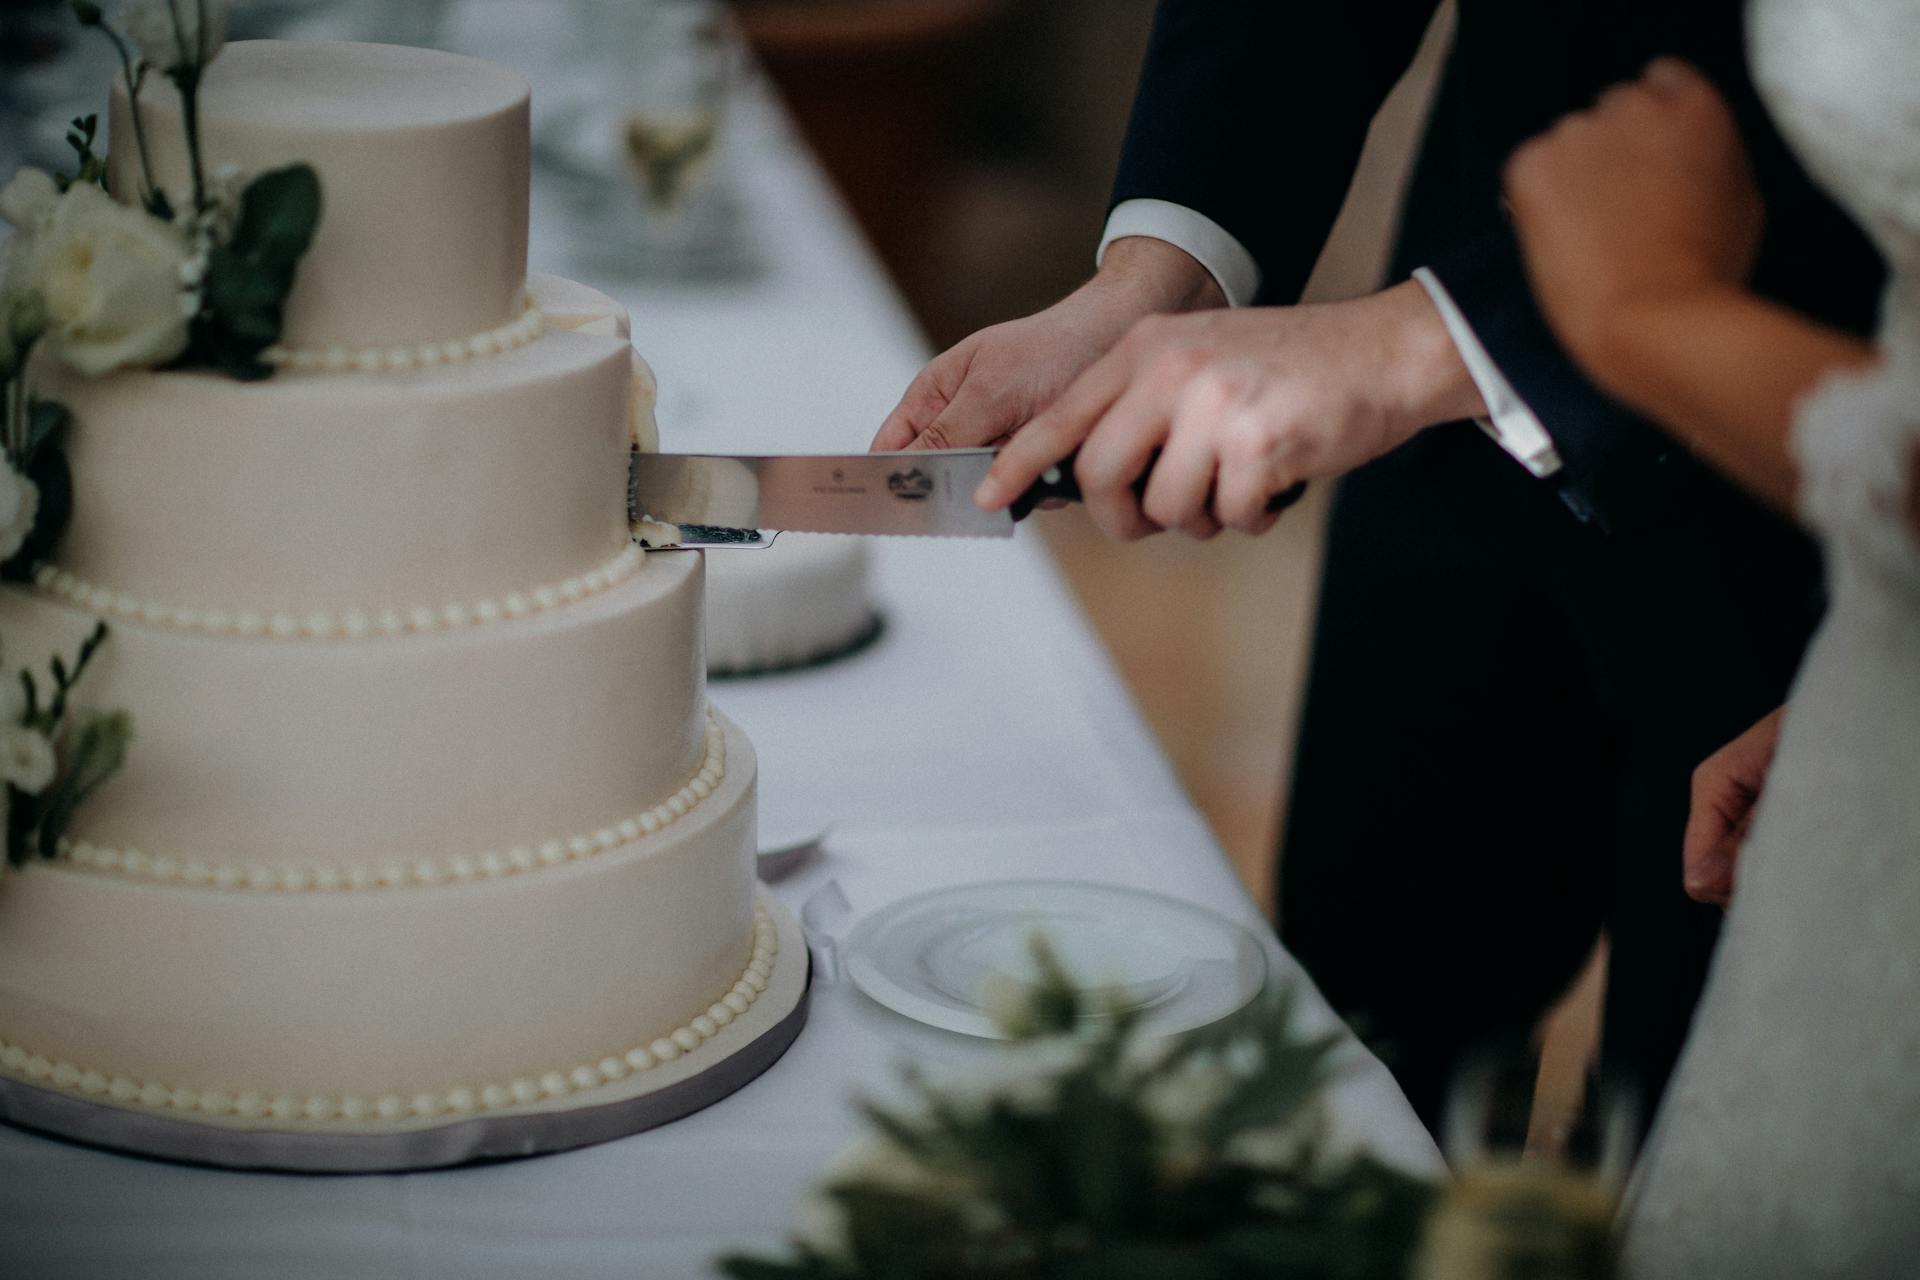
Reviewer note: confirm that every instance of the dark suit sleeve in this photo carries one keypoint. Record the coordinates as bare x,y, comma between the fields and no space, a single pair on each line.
1253,112
1607,453
1617,468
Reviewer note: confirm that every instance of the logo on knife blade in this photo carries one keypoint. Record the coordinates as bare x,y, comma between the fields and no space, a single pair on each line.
910,486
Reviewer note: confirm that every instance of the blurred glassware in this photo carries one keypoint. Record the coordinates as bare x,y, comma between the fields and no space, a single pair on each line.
413,22
631,146
1511,1212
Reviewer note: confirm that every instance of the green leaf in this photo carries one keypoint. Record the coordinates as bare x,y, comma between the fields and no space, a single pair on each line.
92,166
96,751
23,814
47,468
249,277
45,420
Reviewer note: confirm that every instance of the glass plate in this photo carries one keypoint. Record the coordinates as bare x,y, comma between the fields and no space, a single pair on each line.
933,956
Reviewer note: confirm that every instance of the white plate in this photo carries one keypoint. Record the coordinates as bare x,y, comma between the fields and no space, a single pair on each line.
932,956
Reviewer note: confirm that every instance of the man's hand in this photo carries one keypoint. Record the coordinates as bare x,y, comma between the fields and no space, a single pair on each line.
1232,408
1643,199
991,384
1726,787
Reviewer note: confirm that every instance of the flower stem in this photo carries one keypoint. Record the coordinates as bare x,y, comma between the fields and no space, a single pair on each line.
189,83
186,78
133,109
12,393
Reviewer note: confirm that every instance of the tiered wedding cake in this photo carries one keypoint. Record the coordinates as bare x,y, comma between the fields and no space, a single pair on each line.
428,845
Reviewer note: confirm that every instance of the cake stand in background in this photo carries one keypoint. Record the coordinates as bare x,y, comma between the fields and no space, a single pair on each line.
795,604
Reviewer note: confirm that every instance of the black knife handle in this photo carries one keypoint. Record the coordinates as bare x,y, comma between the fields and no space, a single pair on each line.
1057,484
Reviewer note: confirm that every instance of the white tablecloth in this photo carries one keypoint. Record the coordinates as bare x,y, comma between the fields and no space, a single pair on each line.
986,736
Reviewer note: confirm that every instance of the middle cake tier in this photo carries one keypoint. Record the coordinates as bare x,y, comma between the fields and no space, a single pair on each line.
345,500
425,757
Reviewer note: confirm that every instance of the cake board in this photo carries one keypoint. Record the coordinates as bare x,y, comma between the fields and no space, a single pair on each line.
672,1090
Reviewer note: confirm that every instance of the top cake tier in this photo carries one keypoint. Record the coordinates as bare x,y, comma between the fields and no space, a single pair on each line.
422,157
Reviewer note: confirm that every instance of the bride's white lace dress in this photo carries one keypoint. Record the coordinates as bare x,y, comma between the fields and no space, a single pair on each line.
1789,1144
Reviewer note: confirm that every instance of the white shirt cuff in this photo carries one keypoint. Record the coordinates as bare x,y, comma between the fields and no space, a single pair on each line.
1224,257
1509,421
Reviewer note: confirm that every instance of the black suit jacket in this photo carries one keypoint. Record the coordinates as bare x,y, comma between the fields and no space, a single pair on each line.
1253,112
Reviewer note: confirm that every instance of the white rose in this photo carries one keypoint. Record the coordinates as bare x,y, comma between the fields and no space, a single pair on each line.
109,276
19,504
26,759
173,33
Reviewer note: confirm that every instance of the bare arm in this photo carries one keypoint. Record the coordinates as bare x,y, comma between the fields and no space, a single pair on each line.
1725,369
1639,221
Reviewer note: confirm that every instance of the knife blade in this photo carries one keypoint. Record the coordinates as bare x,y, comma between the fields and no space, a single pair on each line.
726,500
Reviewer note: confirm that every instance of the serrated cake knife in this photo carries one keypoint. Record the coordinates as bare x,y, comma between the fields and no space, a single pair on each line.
725,500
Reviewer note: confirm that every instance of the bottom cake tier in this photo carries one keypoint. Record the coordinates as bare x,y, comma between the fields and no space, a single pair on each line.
140,1014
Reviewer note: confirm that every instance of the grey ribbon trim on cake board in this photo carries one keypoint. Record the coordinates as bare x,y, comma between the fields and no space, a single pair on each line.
482,1138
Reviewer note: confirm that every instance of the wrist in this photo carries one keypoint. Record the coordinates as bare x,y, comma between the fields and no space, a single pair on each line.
1429,382
1156,276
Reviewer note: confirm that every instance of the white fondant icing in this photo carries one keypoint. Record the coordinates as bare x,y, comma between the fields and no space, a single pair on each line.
355,1110
518,332
390,749
423,163
801,600
321,624
308,493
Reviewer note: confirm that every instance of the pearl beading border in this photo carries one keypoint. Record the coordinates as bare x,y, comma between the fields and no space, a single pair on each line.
346,624
401,873
22,1063
518,332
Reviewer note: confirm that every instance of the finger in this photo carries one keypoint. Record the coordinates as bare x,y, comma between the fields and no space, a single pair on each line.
1706,825
1115,456
1716,825
1674,77
1709,877
1180,485
1618,98
925,398
1053,433
954,424
1250,474
1703,869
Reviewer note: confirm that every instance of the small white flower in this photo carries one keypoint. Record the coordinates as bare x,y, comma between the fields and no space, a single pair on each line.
28,199
1189,1094
1277,1149
109,278
176,33
1008,1002
26,759
19,505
